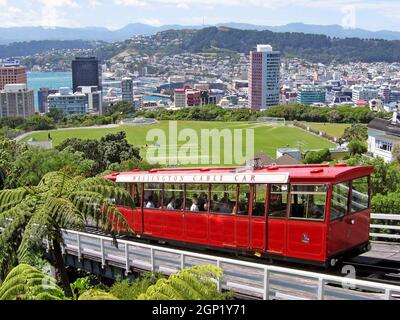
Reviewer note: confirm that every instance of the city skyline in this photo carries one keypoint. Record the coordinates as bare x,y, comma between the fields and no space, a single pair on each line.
366,14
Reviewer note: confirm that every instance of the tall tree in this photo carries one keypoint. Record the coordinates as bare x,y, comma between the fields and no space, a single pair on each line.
357,147
357,132
121,107
111,149
30,215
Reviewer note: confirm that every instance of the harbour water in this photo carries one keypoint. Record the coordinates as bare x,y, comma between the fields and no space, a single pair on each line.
53,80
56,80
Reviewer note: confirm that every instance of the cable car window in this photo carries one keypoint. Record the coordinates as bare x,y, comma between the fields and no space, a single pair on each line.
278,201
244,200
119,201
260,196
197,197
223,198
153,195
339,201
173,196
137,194
360,195
308,202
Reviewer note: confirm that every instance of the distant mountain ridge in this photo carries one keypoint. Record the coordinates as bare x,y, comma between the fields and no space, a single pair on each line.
18,34
226,40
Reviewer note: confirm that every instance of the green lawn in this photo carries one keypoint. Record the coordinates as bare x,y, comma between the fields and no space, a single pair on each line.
266,139
333,129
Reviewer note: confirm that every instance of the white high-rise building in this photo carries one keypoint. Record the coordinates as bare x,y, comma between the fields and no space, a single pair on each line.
16,100
364,93
264,78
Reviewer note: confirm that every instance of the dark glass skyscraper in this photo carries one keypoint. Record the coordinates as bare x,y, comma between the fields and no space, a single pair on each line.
85,72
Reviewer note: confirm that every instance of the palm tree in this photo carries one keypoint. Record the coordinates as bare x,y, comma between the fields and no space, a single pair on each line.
31,214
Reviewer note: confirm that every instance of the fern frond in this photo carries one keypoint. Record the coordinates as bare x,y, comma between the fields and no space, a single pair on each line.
11,236
95,181
196,283
100,209
94,294
8,197
26,282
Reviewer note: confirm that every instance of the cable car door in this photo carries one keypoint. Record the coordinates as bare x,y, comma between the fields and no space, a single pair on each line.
277,218
258,223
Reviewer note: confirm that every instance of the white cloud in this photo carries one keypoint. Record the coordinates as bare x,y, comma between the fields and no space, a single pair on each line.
53,13
326,4
152,22
95,3
133,3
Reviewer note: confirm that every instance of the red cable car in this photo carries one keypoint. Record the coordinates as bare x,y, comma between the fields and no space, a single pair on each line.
314,214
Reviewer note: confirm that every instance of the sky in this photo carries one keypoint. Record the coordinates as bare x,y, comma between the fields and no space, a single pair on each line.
114,14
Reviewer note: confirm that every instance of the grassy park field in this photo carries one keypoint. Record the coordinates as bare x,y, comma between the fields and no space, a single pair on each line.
266,138
333,129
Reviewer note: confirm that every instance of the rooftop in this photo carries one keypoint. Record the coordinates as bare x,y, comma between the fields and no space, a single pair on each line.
388,126
322,173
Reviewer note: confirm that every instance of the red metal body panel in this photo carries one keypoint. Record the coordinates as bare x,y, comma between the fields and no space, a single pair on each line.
173,225
258,238
222,231
242,232
196,227
306,240
276,230
137,223
293,238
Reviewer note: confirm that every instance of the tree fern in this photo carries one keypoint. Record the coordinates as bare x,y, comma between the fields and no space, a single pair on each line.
196,283
27,283
94,294
57,202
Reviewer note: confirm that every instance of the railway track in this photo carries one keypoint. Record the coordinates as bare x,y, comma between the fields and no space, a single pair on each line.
371,269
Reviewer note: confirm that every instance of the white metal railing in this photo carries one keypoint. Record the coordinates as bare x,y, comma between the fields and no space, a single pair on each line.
257,280
381,226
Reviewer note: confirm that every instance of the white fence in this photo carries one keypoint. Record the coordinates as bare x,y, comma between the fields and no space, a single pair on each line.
247,278
385,223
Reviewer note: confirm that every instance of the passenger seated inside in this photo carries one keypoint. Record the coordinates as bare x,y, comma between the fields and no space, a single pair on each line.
150,203
225,208
215,204
179,204
194,207
316,211
308,206
202,200
244,204
171,204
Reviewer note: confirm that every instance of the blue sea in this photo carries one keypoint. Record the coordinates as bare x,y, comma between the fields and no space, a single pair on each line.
56,80
53,80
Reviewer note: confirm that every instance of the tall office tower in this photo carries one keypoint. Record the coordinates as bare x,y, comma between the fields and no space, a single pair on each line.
86,71
16,101
12,74
127,90
264,78
43,93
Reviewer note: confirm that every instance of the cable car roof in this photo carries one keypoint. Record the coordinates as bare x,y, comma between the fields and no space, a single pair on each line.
271,174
